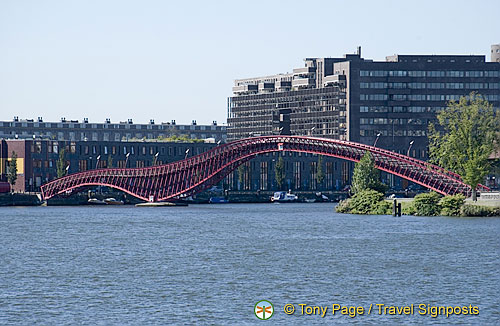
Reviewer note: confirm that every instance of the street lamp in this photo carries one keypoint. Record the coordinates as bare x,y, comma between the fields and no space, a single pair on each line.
409,147
97,162
156,158
218,143
376,139
281,129
187,152
126,160
312,130
67,169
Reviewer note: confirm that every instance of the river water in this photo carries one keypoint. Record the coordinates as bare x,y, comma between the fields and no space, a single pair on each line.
210,264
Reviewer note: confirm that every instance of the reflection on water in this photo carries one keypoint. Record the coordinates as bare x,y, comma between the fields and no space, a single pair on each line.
209,264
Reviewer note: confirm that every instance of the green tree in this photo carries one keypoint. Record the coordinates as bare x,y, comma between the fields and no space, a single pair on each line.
320,175
110,162
468,132
279,172
12,171
366,176
61,164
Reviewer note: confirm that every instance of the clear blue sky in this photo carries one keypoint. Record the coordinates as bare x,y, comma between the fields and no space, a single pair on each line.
177,59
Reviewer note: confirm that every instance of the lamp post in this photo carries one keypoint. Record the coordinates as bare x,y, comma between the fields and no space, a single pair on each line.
187,152
409,147
97,161
312,130
126,160
218,143
281,129
156,159
376,139
67,169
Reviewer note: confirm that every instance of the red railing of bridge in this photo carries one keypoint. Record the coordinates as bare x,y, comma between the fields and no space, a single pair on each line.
192,175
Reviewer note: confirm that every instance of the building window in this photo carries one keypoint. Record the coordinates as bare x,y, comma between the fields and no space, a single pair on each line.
263,175
296,175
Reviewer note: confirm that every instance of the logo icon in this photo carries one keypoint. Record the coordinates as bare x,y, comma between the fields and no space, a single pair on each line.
263,309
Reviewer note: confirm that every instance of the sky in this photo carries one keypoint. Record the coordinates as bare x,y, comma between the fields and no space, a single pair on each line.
177,60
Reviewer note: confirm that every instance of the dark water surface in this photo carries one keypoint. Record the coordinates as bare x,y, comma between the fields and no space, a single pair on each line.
210,264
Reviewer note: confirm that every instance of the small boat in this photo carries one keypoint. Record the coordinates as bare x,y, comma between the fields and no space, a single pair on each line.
218,200
283,197
112,201
95,201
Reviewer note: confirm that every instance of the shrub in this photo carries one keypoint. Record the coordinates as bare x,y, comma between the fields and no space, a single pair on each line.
427,204
451,205
365,202
343,206
408,208
475,210
382,208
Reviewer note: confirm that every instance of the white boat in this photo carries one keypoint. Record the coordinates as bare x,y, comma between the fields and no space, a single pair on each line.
113,201
95,201
283,197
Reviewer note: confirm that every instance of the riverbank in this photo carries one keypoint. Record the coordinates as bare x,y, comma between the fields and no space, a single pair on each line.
20,199
232,196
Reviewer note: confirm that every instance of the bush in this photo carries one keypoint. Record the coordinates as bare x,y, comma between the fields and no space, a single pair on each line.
365,202
427,204
407,208
475,210
451,205
382,208
343,206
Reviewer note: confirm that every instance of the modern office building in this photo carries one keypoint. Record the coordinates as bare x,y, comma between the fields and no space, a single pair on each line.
388,103
74,130
358,99
288,104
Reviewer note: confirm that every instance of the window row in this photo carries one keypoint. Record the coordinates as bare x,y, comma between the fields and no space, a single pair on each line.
431,73
400,109
386,121
419,97
381,85
374,133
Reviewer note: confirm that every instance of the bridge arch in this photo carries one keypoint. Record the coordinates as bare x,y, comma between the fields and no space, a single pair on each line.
192,175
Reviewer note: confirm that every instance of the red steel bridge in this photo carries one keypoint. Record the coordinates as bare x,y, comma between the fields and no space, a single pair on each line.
192,175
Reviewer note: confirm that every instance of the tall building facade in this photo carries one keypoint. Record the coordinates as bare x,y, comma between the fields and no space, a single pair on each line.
300,103
389,102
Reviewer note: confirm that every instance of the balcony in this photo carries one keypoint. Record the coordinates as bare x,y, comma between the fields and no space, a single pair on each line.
245,89
266,87
283,85
332,80
304,72
303,83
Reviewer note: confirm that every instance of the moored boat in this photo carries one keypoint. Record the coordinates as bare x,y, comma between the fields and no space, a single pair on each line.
95,201
218,200
283,197
112,201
